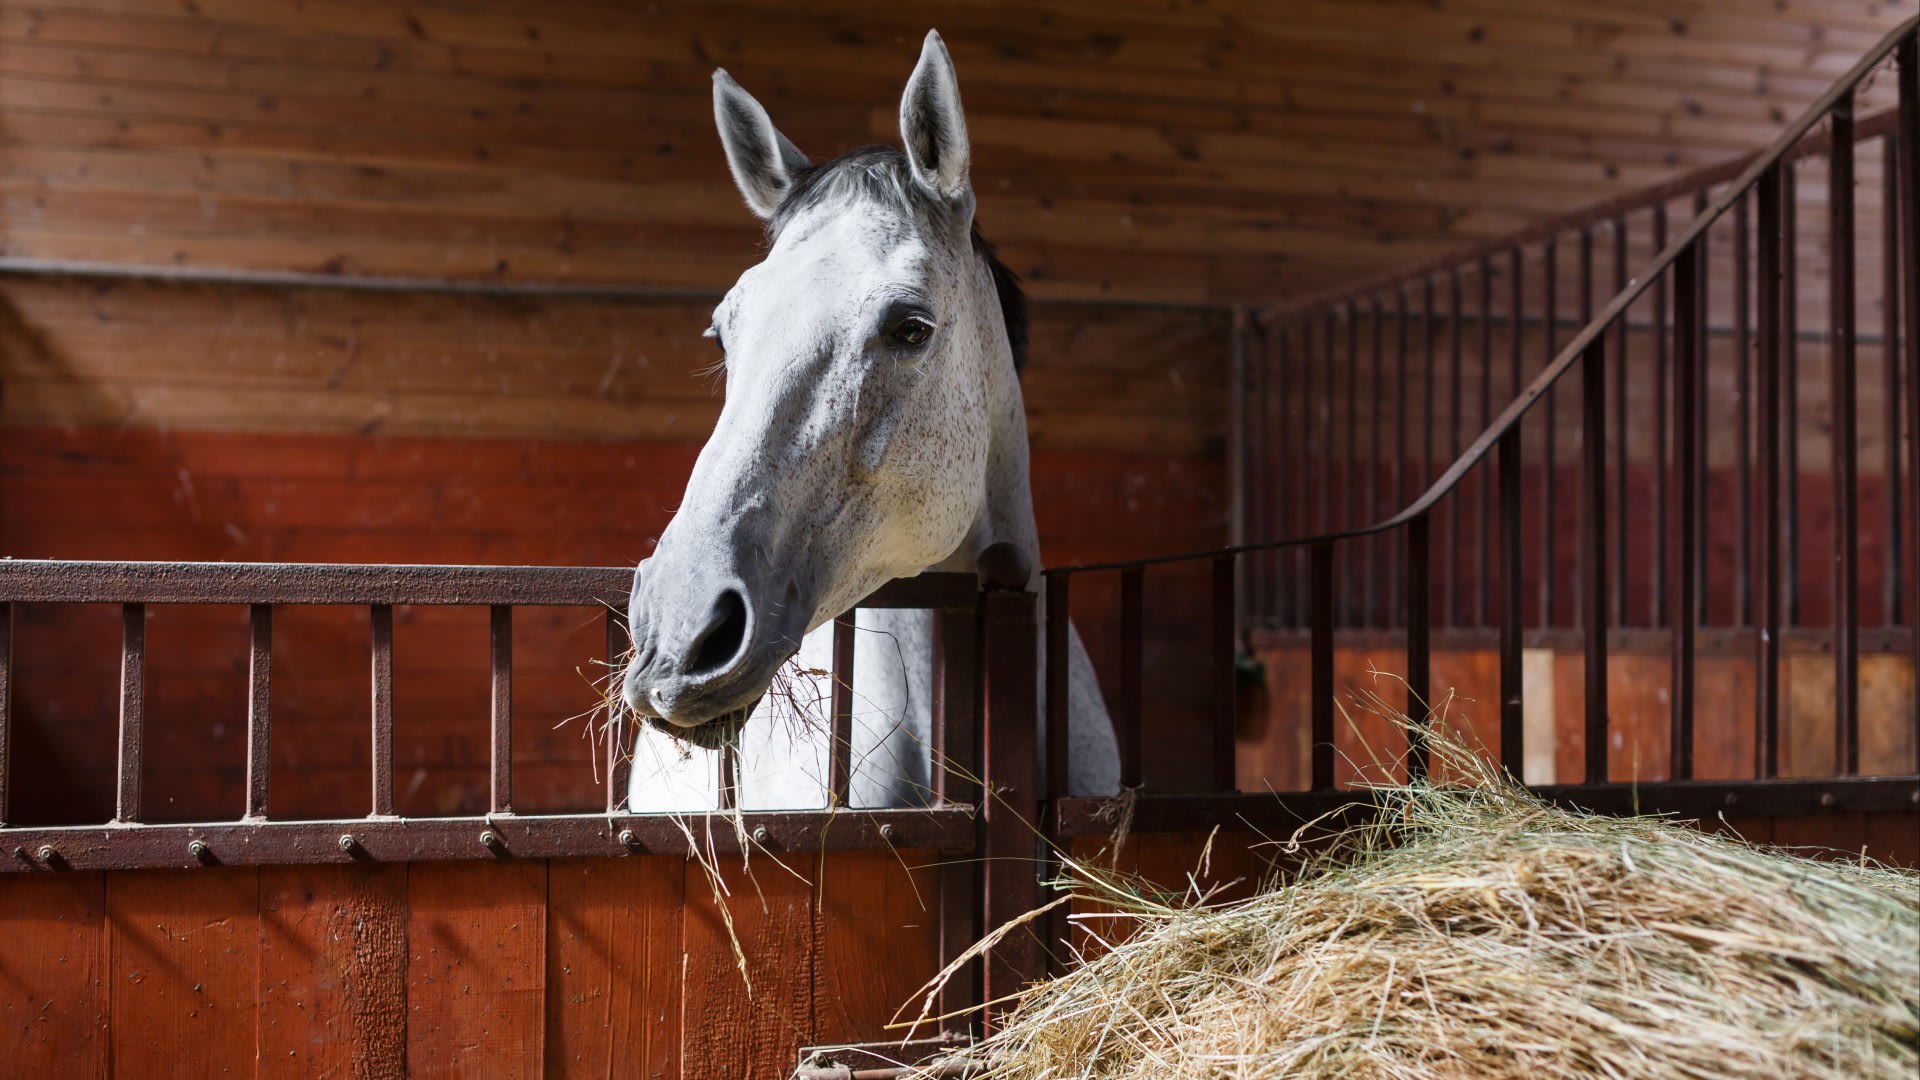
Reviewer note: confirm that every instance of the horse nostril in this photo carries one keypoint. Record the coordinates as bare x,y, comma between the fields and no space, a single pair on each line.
720,641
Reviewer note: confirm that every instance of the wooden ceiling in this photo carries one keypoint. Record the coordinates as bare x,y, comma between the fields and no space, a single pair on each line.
1170,151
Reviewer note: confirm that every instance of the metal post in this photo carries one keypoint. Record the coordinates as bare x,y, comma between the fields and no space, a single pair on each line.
840,751
1132,670
1008,843
1224,643
1513,728
1846,443
1681,519
1419,642
259,695
1321,702
500,664
1767,296
133,701
1593,550
1059,706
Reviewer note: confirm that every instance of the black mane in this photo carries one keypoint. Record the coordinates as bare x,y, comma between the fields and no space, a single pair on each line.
880,172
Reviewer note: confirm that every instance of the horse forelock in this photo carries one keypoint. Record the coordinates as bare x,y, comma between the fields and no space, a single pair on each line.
881,174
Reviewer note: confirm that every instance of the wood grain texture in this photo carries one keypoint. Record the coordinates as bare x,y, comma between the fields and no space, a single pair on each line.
476,978
53,975
183,950
876,922
333,972
744,1013
614,966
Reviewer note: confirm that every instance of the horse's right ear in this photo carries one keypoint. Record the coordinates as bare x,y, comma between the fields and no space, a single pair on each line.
763,161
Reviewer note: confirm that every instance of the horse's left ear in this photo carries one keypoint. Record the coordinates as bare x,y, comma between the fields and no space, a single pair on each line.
932,125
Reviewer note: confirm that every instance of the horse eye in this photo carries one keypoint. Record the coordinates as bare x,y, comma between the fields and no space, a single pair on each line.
912,332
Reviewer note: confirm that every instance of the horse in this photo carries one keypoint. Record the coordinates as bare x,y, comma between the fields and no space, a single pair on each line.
872,428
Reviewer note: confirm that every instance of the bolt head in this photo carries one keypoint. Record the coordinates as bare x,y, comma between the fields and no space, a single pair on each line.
347,842
1826,798
47,854
761,834
627,839
886,833
1733,798
488,839
197,849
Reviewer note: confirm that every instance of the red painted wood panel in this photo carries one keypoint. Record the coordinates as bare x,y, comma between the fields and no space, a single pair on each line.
476,979
615,966
748,1023
183,954
333,971
53,993
877,924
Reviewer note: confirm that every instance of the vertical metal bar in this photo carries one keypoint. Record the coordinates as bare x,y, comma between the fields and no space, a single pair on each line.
1789,434
1322,407
840,751
1321,702
6,701
1846,442
1008,845
1429,414
956,682
619,757
1593,548
1349,482
1686,369
1419,641
1309,473
1513,754
1703,369
1908,125
382,616
1766,739
1516,378
1622,475
1891,224
1239,475
1058,703
1223,674
1374,511
1396,566
1657,608
1260,478
1450,576
1743,421
1483,538
1598,519
1133,628
259,697
500,664
1550,455
133,708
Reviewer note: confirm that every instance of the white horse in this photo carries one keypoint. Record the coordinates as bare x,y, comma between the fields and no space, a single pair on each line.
873,428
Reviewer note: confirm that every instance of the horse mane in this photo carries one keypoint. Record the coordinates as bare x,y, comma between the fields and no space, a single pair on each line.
880,172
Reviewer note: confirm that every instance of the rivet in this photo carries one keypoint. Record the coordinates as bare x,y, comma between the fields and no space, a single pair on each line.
488,839
1826,798
886,833
47,854
761,834
1733,798
347,842
627,839
197,849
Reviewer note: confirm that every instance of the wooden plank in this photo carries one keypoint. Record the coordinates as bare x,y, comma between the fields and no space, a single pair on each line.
1828,836
1894,838
476,978
614,966
1887,707
183,948
333,971
876,923
53,992
766,911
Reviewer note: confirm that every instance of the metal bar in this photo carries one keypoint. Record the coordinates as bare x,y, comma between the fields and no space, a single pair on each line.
6,702
1703,368
1845,455
382,617
1743,421
1309,473
1766,535
1621,470
1909,211
1321,700
1450,577
619,755
1223,674
1789,433
1658,576
133,707
1133,587
1396,565
132,846
1686,370
1374,616
956,771
1419,642
1281,812
1513,756
1429,418
1349,483
259,697
88,582
1008,841
1483,539
500,667
1322,407
1593,550
1598,519
1058,703
1516,363
840,749
1891,223
1550,456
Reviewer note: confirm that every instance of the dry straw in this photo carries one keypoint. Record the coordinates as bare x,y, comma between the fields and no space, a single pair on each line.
1471,930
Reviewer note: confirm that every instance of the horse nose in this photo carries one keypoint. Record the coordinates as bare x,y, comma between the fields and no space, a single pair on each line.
717,645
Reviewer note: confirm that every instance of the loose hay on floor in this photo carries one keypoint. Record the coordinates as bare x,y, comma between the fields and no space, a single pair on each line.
1474,931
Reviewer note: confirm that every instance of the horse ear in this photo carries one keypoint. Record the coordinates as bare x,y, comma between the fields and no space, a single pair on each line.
763,160
932,125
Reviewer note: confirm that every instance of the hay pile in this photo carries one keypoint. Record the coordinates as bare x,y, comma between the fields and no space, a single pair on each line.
1473,931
